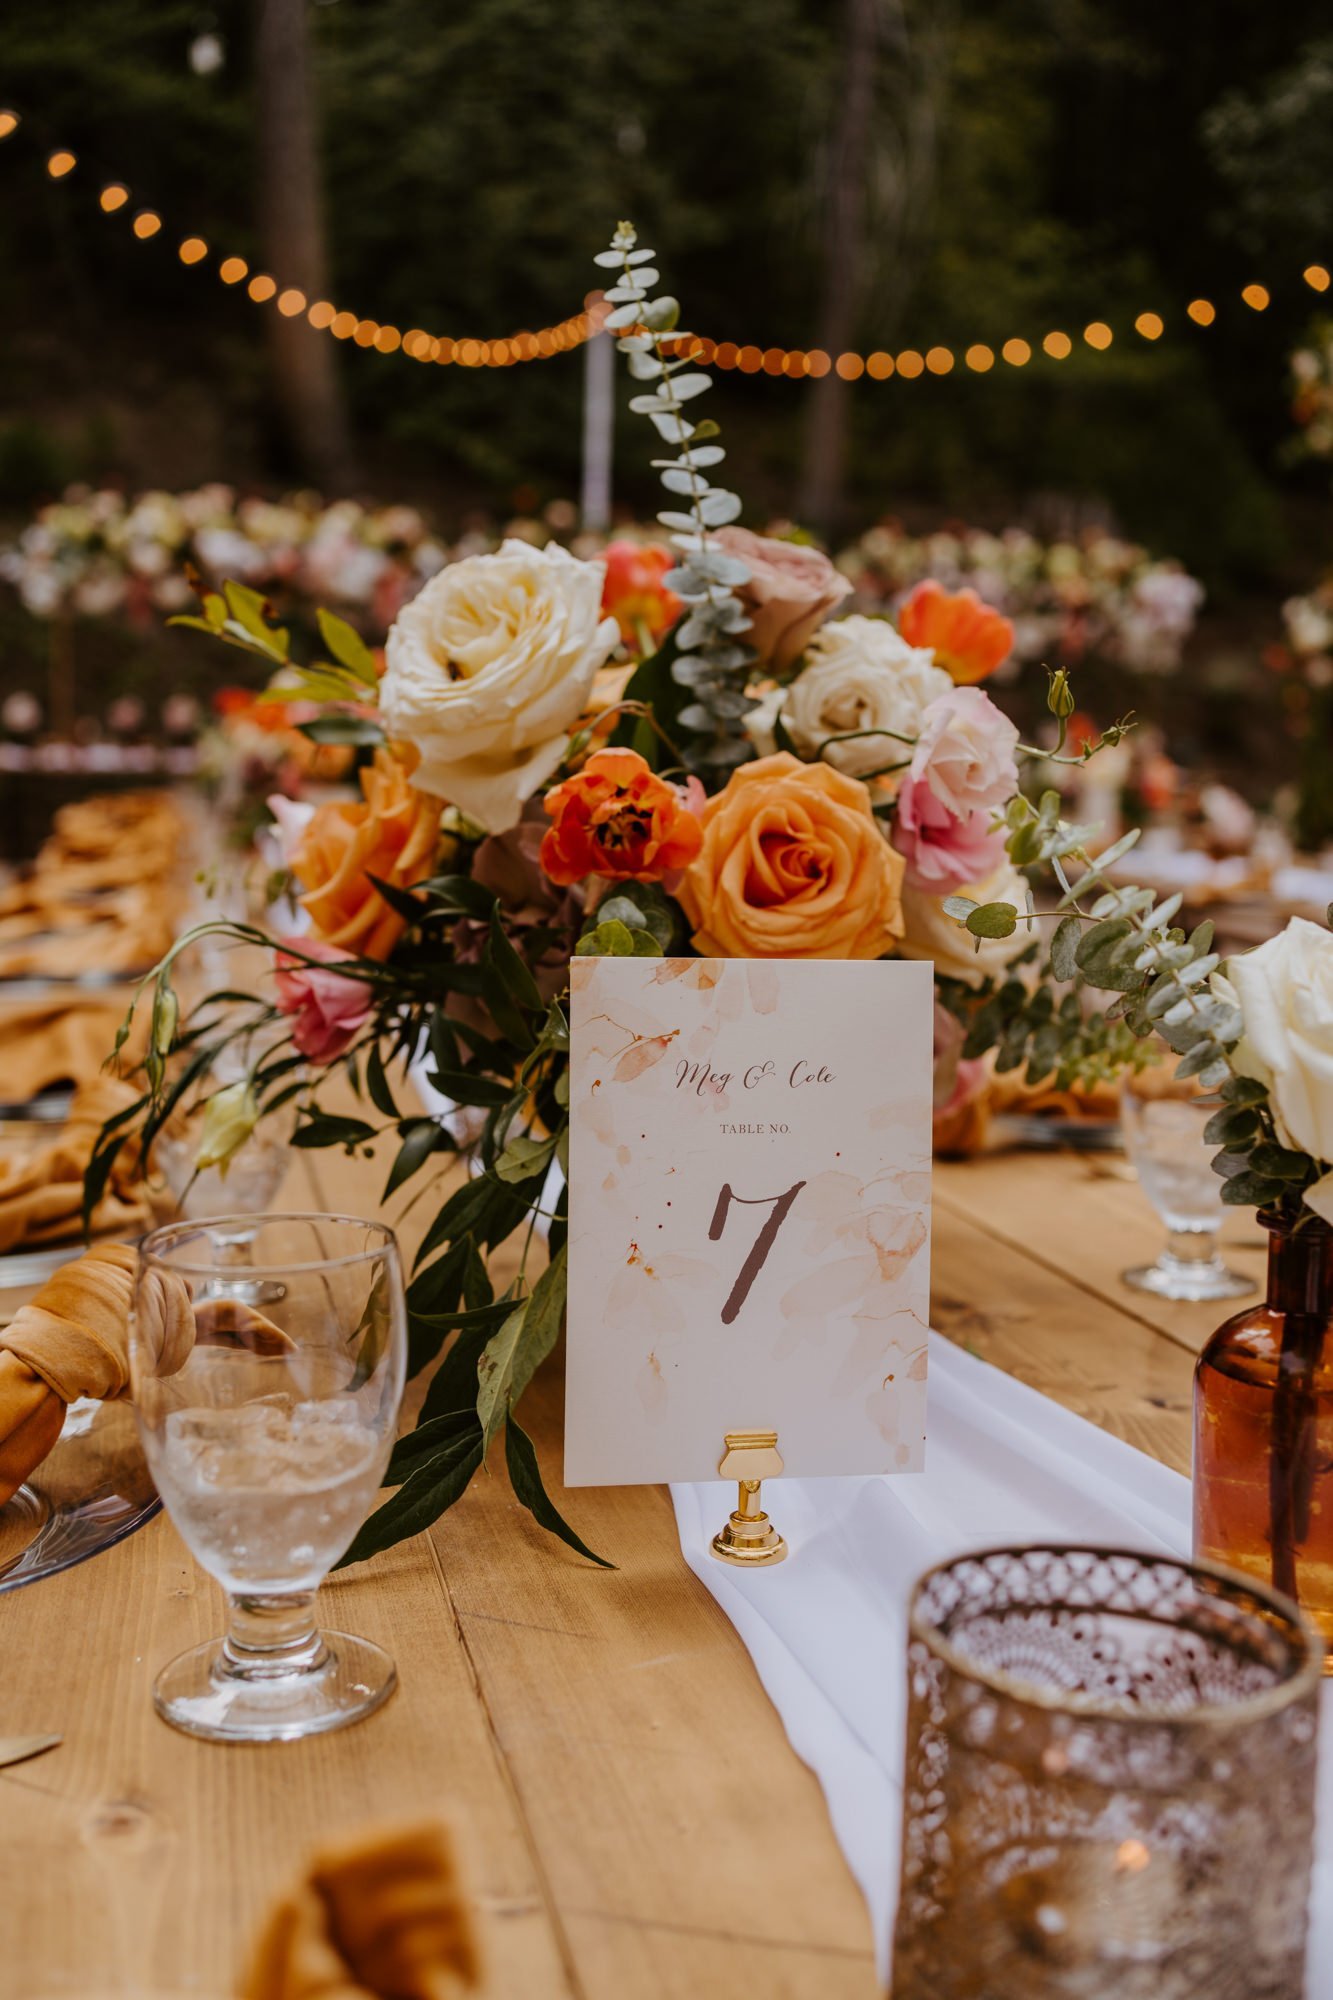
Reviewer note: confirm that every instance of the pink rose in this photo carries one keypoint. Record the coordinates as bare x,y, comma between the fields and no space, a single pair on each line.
792,590
962,773
328,1011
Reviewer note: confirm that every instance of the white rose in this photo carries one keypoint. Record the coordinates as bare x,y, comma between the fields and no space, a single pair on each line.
928,932
1285,992
861,674
487,668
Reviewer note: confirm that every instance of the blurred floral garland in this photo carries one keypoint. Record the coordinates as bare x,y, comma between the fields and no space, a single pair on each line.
102,554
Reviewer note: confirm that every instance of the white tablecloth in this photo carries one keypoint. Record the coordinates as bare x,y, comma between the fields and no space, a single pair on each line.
827,1628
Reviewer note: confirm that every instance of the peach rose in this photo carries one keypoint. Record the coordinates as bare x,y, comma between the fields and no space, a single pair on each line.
393,833
793,865
792,590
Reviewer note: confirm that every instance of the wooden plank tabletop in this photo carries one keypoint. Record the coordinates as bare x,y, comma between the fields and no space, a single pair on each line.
635,1821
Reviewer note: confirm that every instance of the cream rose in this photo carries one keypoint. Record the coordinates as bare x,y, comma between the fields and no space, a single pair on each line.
930,933
859,674
1285,992
488,667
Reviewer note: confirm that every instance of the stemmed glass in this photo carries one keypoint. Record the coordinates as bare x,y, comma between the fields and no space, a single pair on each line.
1163,1131
267,1433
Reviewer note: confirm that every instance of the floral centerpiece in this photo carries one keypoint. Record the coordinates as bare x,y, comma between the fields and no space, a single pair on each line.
659,751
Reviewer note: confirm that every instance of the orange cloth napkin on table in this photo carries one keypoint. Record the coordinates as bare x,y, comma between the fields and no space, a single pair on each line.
62,1040
41,1189
72,1340
379,1915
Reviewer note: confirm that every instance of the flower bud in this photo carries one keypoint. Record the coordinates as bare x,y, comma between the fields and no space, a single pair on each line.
230,1116
166,1017
1059,694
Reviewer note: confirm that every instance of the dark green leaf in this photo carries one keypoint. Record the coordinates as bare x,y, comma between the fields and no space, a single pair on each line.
459,893
525,1476
1229,1165
323,1130
1252,1191
377,1083
402,900
430,1438
1230,1127
1280,1163
465,1086
430,1491
332,728
511,968
421,1137
1245,1090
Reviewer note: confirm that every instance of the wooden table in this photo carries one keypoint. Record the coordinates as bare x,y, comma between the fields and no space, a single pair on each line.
635,1821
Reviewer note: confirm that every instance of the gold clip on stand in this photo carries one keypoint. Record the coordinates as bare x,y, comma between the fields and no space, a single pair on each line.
749,1537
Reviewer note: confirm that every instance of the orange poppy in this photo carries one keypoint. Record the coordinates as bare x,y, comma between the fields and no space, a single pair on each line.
970,639
617,818
634,594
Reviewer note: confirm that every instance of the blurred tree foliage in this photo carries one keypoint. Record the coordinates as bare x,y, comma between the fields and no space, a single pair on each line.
1034,164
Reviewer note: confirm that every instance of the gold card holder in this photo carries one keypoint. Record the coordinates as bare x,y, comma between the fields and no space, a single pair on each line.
749,1537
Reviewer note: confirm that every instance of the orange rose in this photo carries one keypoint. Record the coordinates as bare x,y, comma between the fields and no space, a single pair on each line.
793,865
615,817
394,834
969,639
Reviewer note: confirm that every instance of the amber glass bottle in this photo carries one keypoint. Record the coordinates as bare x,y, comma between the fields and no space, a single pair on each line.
1263,1428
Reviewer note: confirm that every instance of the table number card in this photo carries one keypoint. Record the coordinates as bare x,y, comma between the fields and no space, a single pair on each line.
749,1237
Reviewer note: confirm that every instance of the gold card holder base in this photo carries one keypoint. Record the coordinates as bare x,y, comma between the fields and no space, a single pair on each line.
749,1537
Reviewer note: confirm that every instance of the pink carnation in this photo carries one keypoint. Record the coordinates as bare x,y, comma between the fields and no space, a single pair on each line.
962,773
327,1010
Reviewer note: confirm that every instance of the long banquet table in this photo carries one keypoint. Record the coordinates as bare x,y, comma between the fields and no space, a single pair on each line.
634,1820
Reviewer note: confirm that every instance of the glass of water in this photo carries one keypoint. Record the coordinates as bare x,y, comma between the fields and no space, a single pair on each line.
267,1430
1163,1130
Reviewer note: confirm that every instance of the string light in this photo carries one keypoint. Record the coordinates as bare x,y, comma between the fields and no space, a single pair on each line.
795,364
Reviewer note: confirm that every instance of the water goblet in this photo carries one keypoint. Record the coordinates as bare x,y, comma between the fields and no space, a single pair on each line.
1163,1132
267,1432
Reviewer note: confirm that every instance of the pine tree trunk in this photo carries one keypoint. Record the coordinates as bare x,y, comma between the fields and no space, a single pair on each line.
826,435
291,229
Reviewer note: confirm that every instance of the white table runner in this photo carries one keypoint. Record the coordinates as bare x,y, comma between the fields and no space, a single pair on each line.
827,1628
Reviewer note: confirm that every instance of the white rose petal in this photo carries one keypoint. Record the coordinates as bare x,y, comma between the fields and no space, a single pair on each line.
487,668
861,674
1285,991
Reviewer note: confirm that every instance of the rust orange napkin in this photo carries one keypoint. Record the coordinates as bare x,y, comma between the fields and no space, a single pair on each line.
61,1040
72,1340
380,1915
41,1188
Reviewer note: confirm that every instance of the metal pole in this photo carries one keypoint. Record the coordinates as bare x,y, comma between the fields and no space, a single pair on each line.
599,418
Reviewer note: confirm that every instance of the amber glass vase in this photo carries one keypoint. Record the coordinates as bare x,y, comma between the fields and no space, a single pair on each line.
1263,1428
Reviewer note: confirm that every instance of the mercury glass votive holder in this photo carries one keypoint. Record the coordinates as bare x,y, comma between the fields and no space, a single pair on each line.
1109,1784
